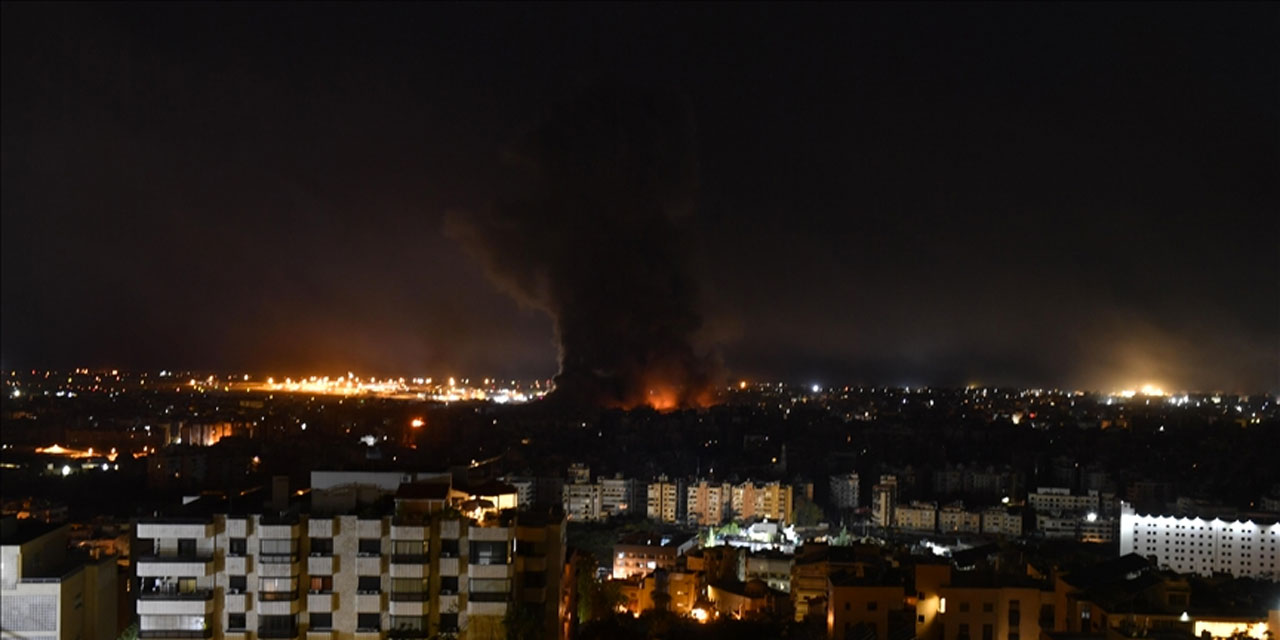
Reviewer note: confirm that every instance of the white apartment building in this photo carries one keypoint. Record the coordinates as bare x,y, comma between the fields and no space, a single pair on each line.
421,572
665,500
47,594
1244,549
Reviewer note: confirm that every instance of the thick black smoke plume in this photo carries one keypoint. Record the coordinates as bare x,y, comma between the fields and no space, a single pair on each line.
591,236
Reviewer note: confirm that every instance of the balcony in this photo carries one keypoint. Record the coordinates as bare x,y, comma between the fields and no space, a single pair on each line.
193,565
173,603
278,633
408,633
409,558
409,596
409,608
175,633
369,565
175,528
448,566
277,596
322,565
198,594
237,565
415,570
321,602
235,602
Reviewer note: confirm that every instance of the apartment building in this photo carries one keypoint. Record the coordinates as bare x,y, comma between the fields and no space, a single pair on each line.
666,500
708,503
47,592
844,491
423,569
752,501
1244,549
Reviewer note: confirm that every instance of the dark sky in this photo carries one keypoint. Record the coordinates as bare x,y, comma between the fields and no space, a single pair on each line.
1031,194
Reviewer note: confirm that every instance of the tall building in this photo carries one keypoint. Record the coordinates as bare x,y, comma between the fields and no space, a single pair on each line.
844,491
583,502
884,498
47,592
708,503
619,495
433,565
666,500
751,501
1244,549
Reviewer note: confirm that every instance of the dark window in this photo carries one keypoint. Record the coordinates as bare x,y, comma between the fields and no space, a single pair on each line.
322,621
988,607
187,546
276,623
872,605
321,584
237,584
370,547
369,584
237,547
235,621
489,553
1013,635
535,579
964,607
449,548
368,621
847,605
322,546
448,622
408,623
448,584
964,632
988,632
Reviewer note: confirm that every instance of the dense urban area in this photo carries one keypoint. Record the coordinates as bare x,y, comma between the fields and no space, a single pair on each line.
189,505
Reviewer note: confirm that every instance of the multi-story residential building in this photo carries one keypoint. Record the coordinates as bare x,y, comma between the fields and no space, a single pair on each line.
47,592
666,500
751,501
844,491
1059,500
641,554
979,605
1194,545
1000,521
917,516
771,567
816,563
707,502
954,519
579,473
884,498
866,605
618,495
583,502
424,570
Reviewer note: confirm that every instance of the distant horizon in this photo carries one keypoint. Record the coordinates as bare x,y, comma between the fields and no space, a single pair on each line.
729,382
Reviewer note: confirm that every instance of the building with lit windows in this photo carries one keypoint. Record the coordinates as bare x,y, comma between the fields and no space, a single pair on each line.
666,500
1244,549
432,564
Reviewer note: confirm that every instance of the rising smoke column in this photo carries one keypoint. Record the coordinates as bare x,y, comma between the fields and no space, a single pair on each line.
590,235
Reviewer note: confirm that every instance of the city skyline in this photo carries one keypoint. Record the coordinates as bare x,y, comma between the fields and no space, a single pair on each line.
1069,196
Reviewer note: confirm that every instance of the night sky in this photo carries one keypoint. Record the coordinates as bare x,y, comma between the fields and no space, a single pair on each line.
1017,194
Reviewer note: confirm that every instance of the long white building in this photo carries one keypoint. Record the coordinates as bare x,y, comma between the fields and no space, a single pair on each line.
1205,547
